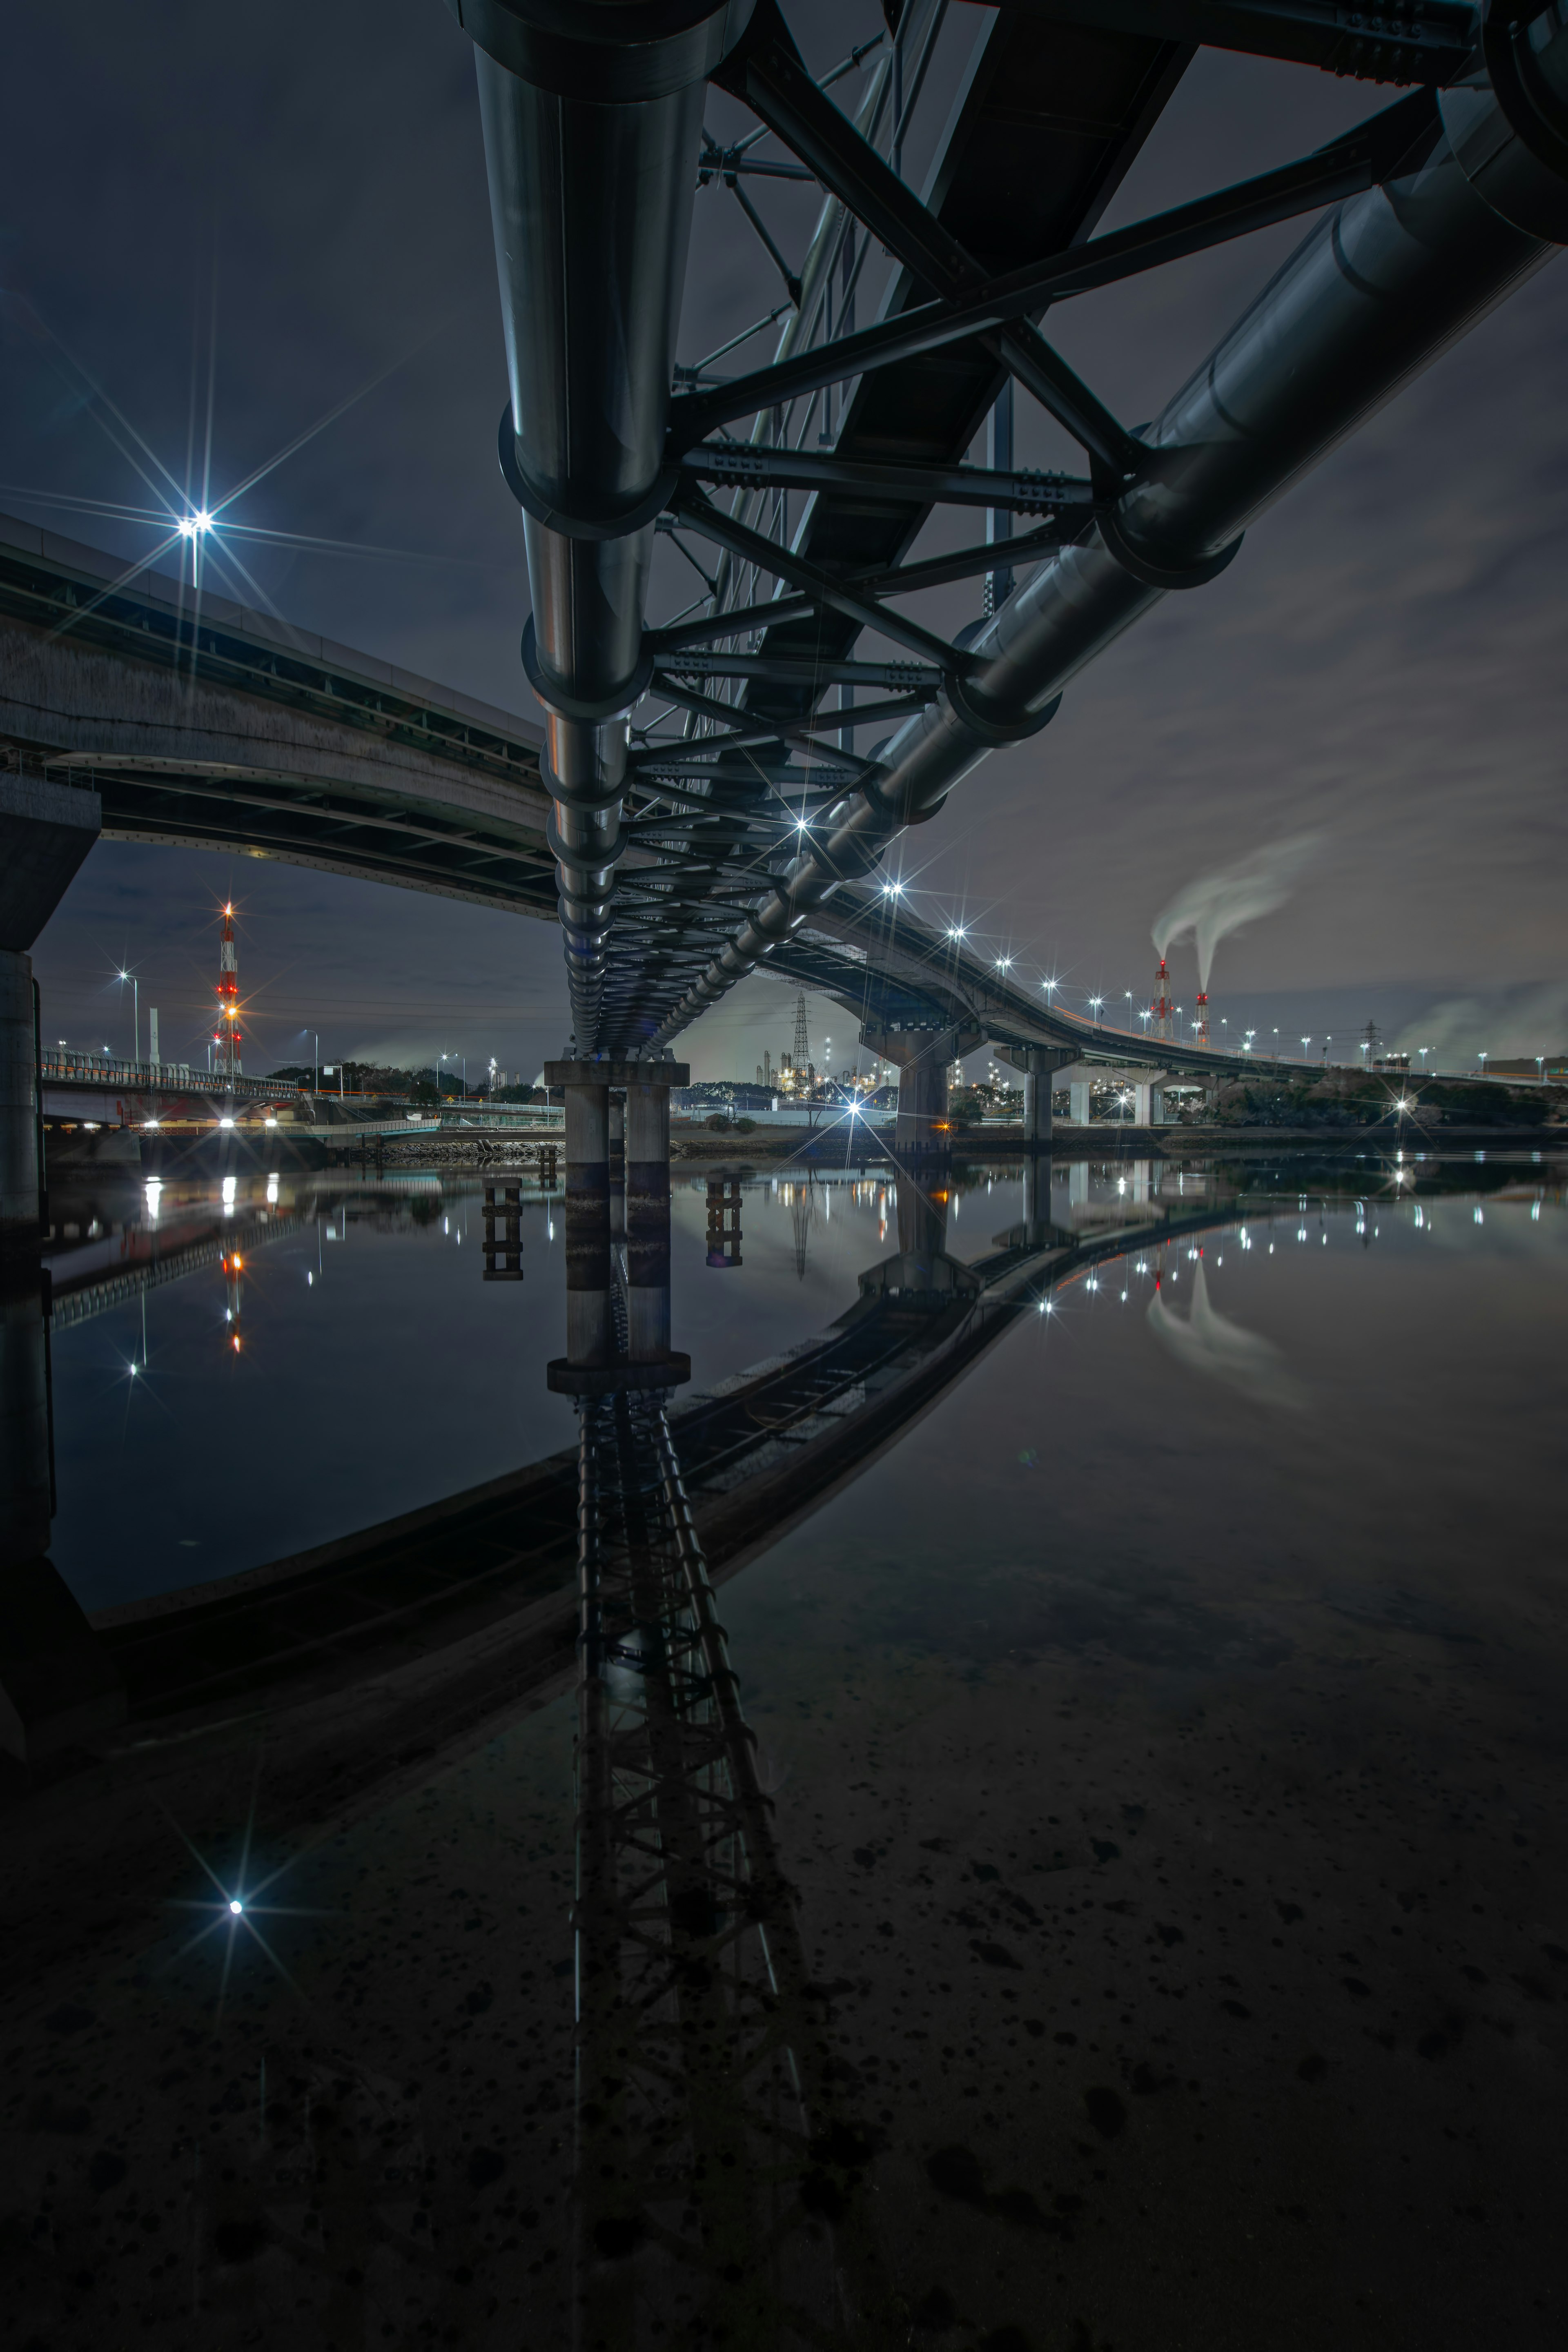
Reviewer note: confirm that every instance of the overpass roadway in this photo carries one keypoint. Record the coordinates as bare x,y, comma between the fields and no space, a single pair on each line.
244,734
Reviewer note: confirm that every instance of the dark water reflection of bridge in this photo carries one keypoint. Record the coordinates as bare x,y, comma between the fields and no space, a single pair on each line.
722,2159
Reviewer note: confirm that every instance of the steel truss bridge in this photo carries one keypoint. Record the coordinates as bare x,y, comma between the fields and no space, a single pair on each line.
715,790
725,740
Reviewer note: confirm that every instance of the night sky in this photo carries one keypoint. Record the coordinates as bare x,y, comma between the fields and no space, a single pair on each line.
295,197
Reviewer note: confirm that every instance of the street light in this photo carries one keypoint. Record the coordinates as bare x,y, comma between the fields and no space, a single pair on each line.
1097,1002
1482,1060
135,1014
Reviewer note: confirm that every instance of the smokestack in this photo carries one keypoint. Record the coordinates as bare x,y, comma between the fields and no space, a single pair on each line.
1160,1018
1201,1025
227,1037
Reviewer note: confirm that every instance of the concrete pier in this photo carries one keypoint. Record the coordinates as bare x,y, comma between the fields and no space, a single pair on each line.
590,1337
647,1199
56,1686
606,1103
923,1058
1038,1065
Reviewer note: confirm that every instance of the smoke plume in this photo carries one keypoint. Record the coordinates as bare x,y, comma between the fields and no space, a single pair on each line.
1217,903
1209,1343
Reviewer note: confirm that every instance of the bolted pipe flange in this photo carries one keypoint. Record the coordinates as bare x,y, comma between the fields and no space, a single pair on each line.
595,712
992,726
618,51
1142,568
583,861
618,522
1511,141
1535,100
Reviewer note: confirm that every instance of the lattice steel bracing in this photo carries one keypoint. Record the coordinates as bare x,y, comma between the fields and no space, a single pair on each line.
718,778
714,2185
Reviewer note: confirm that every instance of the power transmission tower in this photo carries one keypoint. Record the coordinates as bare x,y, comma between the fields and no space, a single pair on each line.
802,1041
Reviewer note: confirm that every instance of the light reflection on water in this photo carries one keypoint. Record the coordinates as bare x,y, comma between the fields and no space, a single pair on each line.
331,1357
1160,1740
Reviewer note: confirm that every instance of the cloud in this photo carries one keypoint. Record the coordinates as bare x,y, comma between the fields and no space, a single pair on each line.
1220,903
1205,1342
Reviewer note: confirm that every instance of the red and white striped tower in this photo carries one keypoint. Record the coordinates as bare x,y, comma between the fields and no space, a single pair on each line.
1162,1010
1201,1025
227,1037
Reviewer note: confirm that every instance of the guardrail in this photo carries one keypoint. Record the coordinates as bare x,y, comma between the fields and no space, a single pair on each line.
102,1069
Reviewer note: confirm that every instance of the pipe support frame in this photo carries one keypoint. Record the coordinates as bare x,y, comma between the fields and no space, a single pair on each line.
1375,292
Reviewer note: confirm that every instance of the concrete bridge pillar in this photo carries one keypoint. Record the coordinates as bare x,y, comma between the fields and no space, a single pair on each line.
590,1337
922,1269
648,1220
618,1163
57,1686
923,1058
1039,1064
601,1096
1078,1098
45,831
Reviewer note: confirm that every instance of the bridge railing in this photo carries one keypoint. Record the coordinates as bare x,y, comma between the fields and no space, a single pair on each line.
103,1069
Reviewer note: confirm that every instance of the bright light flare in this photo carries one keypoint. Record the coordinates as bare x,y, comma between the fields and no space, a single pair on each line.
195,526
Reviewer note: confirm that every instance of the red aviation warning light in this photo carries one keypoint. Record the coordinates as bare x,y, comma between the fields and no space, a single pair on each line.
226,1038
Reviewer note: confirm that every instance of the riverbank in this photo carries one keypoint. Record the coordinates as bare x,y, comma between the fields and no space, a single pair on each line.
841,1145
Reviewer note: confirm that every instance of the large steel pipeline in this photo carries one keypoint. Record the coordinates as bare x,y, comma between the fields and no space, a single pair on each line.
591,122
1375,292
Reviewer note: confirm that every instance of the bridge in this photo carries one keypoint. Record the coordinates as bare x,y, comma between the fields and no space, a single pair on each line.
717,791
695,804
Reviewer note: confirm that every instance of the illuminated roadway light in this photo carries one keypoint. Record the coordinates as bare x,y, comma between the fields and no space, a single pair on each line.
196,526
236,1906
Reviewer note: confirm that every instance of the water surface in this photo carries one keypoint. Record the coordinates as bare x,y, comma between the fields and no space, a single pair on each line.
1165,1740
